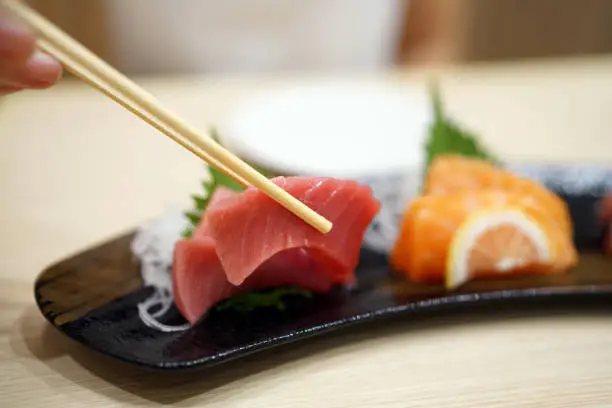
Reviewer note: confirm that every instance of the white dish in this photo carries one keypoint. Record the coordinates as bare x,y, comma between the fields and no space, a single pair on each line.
335,128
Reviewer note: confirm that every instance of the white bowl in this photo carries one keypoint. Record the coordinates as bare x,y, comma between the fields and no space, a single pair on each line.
333,128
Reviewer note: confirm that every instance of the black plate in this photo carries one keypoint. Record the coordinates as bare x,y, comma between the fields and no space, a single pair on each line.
93,296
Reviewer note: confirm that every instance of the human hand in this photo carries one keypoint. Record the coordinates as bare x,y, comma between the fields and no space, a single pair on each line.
21,65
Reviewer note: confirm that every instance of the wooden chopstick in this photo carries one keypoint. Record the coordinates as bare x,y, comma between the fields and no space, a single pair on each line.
103,77
118,97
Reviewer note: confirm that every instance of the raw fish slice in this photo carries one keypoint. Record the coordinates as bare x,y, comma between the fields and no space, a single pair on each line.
199,281
430,222
454,173
251,228
220,193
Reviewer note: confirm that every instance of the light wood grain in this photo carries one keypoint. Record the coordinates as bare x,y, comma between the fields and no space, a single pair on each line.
69,179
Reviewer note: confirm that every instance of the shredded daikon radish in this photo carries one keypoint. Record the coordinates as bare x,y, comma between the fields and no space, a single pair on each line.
154,246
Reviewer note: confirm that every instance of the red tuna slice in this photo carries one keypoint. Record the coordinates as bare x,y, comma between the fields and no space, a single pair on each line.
251,228
197,277
220,193
199,281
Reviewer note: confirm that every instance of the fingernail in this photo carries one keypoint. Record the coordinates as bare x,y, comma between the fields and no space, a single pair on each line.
42,59
42,70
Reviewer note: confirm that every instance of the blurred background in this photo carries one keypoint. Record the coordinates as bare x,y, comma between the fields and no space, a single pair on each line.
204,36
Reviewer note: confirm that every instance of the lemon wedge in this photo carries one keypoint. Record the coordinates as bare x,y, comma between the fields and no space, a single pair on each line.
495,241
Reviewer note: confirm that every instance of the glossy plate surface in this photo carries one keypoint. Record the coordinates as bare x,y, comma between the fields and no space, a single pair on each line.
93,296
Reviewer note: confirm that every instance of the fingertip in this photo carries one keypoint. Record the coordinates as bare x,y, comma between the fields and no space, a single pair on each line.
9,89
42,71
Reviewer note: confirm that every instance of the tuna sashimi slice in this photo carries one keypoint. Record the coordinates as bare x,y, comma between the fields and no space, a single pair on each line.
220,193
250,228
199,281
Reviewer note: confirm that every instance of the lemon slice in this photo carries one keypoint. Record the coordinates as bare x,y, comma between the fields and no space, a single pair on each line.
490,241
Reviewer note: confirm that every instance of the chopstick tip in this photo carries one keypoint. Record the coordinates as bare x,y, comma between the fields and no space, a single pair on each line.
325,226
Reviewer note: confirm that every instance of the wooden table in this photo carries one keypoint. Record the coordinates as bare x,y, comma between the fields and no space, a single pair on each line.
76,169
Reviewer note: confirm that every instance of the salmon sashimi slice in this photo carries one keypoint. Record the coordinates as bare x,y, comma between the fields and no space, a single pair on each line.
454,173
251,228
430,222
199,280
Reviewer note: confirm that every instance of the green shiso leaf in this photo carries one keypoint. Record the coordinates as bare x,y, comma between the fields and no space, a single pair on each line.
273,298
447,137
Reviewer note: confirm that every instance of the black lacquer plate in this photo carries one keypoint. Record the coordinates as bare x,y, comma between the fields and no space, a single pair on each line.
93,296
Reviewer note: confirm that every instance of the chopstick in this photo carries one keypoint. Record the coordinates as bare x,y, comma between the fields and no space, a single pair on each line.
118,97
87,66
97,83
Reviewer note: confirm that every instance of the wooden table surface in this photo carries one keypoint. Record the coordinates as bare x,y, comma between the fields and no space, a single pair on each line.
76,169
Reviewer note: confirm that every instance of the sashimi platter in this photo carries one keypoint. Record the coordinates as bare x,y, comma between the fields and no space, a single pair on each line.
238,273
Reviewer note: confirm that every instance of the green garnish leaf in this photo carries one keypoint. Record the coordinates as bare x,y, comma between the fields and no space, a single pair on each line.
274,298
193,217
200,202
222,179
217,179
447,137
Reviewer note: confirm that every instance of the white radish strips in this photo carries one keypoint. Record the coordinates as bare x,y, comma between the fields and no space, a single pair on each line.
154,246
